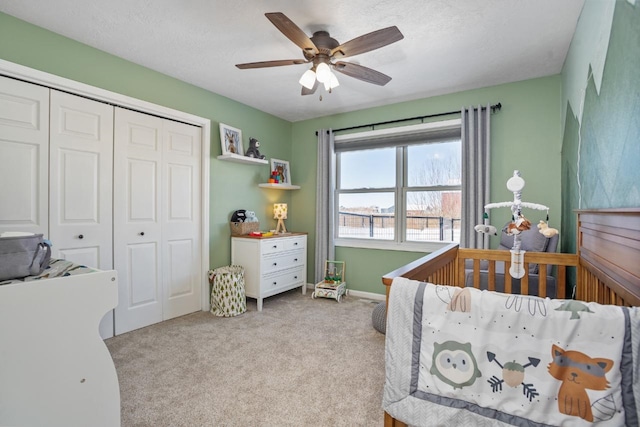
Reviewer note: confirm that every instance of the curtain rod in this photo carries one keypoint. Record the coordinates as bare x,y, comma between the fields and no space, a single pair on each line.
494,108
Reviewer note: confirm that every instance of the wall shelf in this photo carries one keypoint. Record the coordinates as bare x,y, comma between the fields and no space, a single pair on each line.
237,158
280,186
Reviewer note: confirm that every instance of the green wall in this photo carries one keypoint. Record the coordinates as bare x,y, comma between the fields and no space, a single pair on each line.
525,135
233,185
604,147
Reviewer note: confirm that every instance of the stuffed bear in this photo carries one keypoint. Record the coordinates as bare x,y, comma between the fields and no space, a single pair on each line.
253,151
250,216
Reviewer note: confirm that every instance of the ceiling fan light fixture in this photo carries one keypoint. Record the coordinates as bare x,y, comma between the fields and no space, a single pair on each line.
323,72
308,79
333,81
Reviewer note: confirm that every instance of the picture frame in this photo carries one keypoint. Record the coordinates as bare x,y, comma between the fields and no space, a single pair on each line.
231,140
284,170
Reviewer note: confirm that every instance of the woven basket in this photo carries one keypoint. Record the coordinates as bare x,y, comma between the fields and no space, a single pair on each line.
243,228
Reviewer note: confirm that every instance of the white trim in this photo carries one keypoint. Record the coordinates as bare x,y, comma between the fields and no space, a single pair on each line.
390,245
402,130
31,75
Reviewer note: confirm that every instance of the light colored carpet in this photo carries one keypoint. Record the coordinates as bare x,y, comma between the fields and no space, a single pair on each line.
299,362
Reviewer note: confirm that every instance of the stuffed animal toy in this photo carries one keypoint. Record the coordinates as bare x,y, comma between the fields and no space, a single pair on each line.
487,229
239,215
546,230
253,151
518,226
250,216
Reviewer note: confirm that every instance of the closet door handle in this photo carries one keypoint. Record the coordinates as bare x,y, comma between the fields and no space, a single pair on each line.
80,236
141,233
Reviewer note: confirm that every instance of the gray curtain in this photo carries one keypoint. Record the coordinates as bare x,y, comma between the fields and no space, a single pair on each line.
325,186
476,165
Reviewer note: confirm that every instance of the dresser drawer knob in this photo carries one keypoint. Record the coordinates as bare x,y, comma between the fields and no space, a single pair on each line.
274,246
295,259
295,277
274,283
81,237
275,263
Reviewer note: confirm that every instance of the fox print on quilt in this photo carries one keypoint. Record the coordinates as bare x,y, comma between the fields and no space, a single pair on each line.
461,356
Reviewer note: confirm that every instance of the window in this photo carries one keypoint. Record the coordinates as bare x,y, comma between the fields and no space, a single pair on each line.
399,188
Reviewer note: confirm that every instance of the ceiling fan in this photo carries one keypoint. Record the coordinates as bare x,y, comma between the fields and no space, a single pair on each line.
322,50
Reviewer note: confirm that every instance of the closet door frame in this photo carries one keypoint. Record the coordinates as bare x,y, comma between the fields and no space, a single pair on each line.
31,75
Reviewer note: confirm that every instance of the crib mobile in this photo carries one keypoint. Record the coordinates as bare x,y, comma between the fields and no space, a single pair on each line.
518,222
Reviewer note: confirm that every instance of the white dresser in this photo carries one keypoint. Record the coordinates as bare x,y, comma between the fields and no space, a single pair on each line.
271,264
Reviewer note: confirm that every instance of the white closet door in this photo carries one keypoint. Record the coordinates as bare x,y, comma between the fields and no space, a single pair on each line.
157,219
81,150
181,219
136,219
81,183
24,156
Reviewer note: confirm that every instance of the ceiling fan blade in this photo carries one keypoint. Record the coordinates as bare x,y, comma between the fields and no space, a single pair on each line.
264,64
292,31
311,91
362,73
368,42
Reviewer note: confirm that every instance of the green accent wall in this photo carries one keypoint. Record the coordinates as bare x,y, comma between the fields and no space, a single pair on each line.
605,147
233,186
525,135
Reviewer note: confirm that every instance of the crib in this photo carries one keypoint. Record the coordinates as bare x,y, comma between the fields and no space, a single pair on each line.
607,267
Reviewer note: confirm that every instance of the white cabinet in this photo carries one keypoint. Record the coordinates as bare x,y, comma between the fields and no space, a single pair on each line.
271,264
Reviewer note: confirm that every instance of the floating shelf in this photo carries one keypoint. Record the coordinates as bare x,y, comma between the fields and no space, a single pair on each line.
280,186
237,158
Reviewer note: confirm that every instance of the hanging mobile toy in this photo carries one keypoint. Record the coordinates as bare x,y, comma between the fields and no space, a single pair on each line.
518,223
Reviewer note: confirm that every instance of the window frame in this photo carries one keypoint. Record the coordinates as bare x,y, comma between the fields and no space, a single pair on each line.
391,137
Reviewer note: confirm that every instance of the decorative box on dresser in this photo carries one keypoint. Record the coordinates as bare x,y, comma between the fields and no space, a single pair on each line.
271,264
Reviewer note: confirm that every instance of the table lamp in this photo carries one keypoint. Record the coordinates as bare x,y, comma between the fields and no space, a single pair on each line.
280,213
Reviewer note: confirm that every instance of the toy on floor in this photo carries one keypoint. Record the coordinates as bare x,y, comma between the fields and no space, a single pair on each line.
334,284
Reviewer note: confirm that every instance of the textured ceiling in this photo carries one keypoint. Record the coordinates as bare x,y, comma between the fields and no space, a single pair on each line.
448,45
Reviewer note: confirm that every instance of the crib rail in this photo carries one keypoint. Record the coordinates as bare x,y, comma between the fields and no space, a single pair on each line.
448,267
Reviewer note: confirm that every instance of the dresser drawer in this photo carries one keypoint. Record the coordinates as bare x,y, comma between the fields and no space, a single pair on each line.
270,246
295,243
282,261
282,279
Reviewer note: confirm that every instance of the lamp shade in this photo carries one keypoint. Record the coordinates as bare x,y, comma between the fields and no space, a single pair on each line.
323,72
280,211
308,79
331,83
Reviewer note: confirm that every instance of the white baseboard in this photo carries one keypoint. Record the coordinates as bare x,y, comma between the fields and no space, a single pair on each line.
355,293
